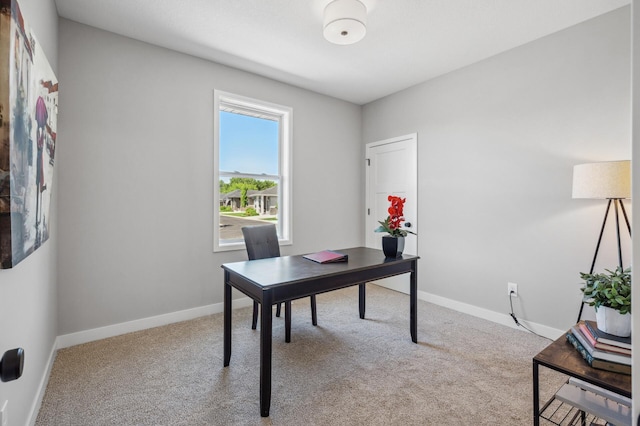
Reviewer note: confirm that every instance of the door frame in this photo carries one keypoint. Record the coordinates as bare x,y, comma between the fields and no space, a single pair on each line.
413,138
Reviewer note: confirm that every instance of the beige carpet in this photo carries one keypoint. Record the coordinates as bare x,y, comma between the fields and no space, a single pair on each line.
345,371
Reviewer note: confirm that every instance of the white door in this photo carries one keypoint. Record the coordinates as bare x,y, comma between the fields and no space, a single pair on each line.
392,169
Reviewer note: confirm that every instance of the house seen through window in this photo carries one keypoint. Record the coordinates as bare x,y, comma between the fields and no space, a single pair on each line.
251,168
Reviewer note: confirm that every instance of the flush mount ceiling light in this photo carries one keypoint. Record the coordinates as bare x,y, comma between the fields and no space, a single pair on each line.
345,21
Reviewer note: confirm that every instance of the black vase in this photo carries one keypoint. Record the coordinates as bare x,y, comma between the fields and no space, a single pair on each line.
392,246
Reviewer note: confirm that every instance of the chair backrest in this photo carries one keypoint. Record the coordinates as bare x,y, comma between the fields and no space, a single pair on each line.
261,241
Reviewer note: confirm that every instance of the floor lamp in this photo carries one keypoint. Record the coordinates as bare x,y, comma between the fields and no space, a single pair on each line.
609,181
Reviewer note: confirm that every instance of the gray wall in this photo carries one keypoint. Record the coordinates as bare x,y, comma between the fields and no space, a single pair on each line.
136,176
496,144
28,302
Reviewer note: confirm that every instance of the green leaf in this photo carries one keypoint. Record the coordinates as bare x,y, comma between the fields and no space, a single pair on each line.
612,289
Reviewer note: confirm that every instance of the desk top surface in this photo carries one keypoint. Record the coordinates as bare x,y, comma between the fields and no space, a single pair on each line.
562,356
286,269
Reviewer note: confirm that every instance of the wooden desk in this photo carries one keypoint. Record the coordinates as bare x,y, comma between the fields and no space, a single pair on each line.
278,279
563,357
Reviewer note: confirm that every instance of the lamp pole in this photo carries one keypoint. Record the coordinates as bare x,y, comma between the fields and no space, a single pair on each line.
617,204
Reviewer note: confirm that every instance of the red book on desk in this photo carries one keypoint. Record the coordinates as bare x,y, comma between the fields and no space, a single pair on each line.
327,256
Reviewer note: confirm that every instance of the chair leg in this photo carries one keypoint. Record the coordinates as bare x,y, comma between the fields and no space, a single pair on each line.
254,322
314,314
287,321
278,310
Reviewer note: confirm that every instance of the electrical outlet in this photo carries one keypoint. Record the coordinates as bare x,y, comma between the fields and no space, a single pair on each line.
4,415
512,289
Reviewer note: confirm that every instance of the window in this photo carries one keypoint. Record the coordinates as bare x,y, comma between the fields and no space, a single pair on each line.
252,165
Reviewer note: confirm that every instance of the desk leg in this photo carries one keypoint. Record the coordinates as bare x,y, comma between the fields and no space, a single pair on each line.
536,396
413,302
265,354
361,299
227,319
314,310
287,321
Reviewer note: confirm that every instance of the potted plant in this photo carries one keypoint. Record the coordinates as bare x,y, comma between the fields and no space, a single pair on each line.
610,294
393,244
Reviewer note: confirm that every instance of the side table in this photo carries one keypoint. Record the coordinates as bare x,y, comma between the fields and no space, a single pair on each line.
561,356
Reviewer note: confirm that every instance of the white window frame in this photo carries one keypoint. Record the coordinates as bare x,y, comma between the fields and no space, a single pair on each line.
265,109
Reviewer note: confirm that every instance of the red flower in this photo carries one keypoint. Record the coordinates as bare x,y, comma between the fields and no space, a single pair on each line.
393,223
396,211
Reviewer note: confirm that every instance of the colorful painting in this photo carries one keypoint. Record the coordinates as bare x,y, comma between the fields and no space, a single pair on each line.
28,116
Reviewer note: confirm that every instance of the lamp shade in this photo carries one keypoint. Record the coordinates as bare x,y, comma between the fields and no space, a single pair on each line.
611,179
345,21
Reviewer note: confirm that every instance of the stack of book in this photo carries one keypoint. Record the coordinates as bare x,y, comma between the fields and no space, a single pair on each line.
599,349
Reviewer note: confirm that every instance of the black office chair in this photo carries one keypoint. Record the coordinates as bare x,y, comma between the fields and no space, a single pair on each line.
262,243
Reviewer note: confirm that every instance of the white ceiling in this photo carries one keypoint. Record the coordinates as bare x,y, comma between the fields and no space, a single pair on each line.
407,41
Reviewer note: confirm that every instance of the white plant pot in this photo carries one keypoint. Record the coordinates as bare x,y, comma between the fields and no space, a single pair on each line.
612,322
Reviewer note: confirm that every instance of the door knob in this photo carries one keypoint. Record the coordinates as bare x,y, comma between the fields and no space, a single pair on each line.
11,365
407,225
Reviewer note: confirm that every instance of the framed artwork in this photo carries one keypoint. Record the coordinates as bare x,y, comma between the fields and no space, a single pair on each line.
28,117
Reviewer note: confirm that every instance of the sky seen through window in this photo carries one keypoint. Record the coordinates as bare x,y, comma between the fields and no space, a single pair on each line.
248,144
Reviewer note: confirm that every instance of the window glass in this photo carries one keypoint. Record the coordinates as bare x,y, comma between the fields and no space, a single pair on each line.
248,144
251,167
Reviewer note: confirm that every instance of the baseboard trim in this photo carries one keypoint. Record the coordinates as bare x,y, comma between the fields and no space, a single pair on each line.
504,319
86,336
72,339
37,402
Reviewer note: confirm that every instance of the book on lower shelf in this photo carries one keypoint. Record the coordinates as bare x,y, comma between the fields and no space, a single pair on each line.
327,256
613,408
595,362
